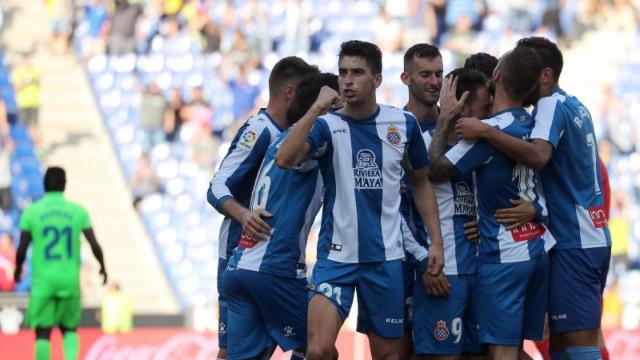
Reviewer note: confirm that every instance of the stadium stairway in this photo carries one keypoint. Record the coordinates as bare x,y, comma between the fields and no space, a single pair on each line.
73,137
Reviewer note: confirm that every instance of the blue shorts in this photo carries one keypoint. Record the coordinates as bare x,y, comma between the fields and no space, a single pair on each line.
380,293
577,278
446,326
222,304
264,310
512,300
409,272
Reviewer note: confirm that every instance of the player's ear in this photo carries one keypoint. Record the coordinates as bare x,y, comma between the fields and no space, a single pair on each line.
497,76
377,80
405,78
289,92
546,76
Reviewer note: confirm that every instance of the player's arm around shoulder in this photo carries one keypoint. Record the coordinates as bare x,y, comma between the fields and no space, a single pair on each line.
295,146
534,154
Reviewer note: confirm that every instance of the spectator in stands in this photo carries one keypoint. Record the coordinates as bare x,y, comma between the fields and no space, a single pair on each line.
198,113
96,14
153,109
421,23
241,51
471,9
7,262
438,9
59,14
173,116
388,32
174,39
212,36
6,149
171,7
244,96
460,38
144,181
620,228
26,82
116,313
611,307
122,28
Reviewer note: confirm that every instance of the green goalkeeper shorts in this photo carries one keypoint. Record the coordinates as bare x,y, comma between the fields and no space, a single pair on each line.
48,312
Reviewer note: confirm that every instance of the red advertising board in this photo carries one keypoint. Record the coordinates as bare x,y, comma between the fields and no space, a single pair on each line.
179,343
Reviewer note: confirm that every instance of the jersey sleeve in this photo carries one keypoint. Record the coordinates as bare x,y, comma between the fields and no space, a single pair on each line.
85,220
26,221
467,155
415,156
548,121
319,139
411,245
244,156
306,166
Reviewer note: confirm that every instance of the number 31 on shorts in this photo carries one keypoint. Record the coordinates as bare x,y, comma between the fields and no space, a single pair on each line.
332,292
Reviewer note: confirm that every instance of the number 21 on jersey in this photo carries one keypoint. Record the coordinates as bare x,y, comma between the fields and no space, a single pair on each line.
53,236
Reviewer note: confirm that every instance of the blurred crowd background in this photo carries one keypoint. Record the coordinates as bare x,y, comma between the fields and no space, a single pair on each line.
174,79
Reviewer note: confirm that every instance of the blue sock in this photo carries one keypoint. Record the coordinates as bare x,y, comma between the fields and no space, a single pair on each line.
558,355
583,353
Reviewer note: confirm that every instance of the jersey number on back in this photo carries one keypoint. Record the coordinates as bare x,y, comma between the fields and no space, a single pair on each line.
591,143
261,189
526,182
53,235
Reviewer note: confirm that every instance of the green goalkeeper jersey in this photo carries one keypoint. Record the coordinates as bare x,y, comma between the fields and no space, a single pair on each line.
55,225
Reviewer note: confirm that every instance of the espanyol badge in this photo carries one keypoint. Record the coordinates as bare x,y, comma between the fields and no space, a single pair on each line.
441,332
393,135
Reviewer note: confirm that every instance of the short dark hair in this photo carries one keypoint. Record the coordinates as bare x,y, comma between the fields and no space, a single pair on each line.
549,53
422,51
369,52
483,62
520,69
291,68
55,179
468,80
306,93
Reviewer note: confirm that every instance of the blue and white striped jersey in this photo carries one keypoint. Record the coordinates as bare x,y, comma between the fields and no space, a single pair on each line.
457,206
499,179
237,173
572,180
362,163
293,197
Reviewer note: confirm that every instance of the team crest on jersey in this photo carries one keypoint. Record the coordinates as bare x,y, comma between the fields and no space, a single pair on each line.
366,174
248,139
393,135
441,332
463,200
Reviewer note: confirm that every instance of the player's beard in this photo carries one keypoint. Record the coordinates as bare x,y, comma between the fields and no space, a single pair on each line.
419,94
533,97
